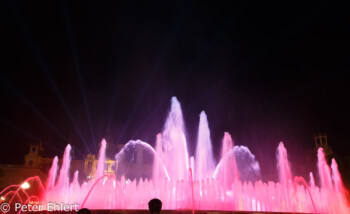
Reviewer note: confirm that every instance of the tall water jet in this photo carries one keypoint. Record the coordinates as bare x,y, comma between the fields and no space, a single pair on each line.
204,161
339,188
157,162
332,185
324,170
285,173
338,183
101,160
174,143
74,188
51,179
283,165
63,179
227,145
312,181
228,166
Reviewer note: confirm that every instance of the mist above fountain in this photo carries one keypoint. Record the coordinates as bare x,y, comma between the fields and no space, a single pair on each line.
231,184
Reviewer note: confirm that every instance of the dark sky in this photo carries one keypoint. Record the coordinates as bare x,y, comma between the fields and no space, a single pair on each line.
80,71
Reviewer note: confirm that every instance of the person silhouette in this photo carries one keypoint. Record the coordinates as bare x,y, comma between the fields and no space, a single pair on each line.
84,211
155,205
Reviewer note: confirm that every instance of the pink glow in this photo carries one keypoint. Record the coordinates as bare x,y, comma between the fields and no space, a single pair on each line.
173,182
191,180
28,200
93,186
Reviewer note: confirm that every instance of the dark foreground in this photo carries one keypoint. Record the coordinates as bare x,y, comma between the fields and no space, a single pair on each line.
163,212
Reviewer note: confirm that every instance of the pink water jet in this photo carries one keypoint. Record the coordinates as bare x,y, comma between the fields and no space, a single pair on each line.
174,143
204,161
227,169
101,160
196,183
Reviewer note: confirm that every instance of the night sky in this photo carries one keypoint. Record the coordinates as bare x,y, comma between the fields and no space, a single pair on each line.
76,72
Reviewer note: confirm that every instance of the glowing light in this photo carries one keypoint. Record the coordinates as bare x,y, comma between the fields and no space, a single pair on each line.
3,198
25,185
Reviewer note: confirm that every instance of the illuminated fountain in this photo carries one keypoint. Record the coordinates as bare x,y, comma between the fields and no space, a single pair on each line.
198,183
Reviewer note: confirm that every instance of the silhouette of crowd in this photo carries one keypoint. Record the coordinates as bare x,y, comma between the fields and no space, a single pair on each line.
154,206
